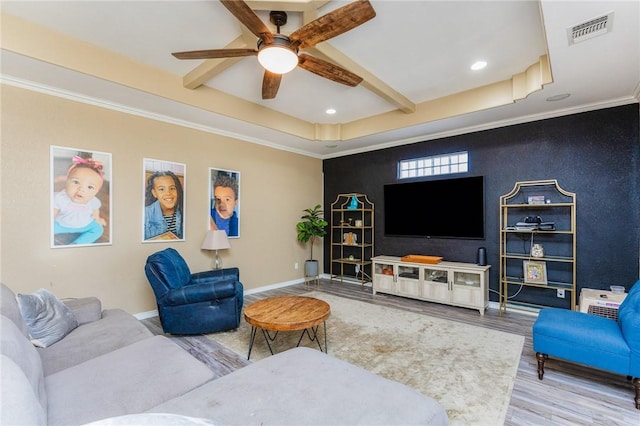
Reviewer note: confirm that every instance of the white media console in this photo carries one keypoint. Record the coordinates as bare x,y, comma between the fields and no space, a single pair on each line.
452,283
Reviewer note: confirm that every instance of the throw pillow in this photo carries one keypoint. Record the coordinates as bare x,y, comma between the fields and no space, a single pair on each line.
47,318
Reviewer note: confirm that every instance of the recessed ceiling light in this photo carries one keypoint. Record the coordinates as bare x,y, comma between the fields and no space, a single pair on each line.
558,97
478,65
330,111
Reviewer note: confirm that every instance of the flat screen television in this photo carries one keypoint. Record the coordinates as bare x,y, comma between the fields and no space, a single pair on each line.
444,208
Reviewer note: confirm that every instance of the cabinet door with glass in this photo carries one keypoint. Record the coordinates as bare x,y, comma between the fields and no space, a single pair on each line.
435,285
467,289
408,281
384,277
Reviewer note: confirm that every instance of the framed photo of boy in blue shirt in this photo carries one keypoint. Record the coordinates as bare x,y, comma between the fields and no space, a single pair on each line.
224,201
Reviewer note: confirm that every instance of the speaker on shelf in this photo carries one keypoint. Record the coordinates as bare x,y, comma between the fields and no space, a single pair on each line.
482,256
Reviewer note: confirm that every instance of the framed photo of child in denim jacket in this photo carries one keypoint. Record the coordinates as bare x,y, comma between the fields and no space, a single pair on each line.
164,200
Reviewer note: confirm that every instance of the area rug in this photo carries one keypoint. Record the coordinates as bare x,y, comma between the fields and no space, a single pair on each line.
469,370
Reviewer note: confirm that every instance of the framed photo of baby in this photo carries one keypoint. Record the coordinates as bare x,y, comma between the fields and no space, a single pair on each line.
80,197
224,201
163,200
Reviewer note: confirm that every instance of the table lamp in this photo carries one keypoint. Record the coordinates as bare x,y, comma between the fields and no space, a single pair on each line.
216,240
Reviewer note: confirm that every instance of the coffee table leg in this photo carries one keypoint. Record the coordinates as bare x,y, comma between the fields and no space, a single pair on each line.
315,336
251,340
267,338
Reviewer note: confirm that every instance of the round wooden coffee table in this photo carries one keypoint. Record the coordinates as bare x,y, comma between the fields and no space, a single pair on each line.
287,313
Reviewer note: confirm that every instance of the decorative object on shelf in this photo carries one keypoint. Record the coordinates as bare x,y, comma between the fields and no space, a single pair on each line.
535,272
312,227
535,199
354,204
350,239
537,250
358,223
216,240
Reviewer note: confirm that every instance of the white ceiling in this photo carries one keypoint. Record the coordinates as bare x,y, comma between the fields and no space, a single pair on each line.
420,49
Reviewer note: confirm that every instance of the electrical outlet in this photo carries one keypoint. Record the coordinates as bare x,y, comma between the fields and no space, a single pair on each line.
560,293
295,266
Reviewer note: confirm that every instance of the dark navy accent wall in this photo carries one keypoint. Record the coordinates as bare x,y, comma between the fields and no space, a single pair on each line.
594,154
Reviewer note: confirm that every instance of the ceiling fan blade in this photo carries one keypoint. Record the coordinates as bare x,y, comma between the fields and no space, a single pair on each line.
328,70
248,17
270,84
333,23
215,53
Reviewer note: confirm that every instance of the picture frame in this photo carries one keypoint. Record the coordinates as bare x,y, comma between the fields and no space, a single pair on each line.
224,186
536,199
163,200
535,272
81,197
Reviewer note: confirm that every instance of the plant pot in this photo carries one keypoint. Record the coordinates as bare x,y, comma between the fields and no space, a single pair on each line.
310,268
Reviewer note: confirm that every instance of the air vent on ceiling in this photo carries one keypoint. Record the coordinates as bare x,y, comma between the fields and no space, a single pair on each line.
592,28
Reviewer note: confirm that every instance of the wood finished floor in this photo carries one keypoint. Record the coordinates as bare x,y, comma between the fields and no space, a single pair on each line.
569,394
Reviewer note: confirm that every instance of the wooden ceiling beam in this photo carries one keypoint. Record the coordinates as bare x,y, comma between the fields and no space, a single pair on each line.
370,81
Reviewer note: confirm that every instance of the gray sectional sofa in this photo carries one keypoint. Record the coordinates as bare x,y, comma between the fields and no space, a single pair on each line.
112,371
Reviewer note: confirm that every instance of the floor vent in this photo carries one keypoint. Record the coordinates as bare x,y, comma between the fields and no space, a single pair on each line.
592,28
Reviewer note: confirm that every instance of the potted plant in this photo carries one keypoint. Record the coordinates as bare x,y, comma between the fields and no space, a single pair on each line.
312,227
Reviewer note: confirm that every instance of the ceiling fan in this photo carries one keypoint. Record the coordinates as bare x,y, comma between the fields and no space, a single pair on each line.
325,27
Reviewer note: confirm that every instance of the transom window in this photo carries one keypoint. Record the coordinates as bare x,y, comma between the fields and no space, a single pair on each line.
435,165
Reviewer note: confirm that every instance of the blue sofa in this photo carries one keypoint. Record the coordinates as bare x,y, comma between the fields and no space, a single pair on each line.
199,303
593,340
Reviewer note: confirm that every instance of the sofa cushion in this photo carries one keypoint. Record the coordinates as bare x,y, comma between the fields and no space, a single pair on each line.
116,329
9,308
304,386
16,346
47,318
85,309
128,380
19,404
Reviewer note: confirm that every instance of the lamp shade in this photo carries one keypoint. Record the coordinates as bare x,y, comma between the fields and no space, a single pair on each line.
277,57
216,240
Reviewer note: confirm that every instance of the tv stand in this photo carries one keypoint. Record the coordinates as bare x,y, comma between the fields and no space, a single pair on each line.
451,283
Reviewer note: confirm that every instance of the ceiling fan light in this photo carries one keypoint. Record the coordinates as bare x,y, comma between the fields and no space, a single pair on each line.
277,57
278,60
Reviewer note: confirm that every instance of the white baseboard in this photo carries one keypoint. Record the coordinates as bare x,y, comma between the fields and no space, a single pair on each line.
147,314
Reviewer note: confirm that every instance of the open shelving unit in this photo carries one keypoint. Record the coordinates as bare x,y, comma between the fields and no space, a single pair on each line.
538,199
352,234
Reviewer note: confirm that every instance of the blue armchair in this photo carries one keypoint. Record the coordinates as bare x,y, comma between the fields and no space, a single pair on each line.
203,302
592,340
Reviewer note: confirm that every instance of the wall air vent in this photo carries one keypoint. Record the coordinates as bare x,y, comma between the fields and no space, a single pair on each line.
592,28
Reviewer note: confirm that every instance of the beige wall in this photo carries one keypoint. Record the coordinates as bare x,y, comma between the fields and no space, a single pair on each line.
275,187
